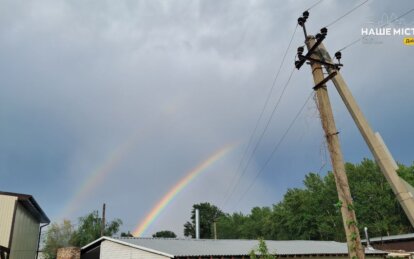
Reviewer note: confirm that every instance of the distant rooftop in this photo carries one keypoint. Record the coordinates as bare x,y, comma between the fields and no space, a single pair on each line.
391,238
224,247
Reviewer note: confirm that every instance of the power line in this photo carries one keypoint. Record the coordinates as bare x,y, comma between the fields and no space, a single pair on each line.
347,13
261,136
260,116
352,43
315,4
363,37
275,148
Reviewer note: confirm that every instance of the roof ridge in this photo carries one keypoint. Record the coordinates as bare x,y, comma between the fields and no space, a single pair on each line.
217,240
152,238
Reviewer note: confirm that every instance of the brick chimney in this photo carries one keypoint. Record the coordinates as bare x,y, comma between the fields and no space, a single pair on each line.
68,253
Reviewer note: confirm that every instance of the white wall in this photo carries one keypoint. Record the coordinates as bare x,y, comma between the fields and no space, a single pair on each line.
7,204
111,250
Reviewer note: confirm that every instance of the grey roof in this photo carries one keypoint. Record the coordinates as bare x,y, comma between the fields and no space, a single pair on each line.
223,247
391,238
30,204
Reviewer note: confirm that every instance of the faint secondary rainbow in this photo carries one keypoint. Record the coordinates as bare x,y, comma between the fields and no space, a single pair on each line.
179,186
98,175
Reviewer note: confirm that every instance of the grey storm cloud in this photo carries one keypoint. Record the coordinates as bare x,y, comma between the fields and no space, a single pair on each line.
80,80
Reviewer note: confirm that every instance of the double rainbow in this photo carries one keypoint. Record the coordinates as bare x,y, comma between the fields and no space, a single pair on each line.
177,188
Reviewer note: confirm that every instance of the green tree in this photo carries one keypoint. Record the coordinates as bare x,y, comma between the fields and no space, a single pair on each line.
252,226
57,236
128,234
208,214
230,226
165,234
89,229
261,252
312,212
375,203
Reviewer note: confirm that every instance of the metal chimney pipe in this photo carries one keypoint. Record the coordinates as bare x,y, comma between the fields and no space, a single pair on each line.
197,220
367,238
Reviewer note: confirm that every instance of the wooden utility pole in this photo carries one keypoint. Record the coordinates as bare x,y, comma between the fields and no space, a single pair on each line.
380,152
355,248
103,220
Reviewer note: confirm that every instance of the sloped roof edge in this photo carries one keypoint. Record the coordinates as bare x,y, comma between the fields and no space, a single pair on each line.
30,204
126,244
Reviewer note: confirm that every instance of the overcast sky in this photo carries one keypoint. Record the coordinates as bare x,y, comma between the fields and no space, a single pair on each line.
141,92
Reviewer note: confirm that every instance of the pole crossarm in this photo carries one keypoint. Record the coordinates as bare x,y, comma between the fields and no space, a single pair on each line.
324,81
319,38
322,62
311,51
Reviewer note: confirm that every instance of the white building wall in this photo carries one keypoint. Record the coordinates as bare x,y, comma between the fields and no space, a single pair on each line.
7,204
25,235
111,250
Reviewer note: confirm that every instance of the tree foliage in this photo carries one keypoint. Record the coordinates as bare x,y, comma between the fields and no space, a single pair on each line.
311,212
165,234
208,214
126,234
57,236
89,229
65,234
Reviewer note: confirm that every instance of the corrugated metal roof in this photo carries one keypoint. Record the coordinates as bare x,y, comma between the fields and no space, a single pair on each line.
391,238
207,247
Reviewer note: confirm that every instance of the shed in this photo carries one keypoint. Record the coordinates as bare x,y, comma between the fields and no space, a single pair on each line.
404,242
164,248
20,219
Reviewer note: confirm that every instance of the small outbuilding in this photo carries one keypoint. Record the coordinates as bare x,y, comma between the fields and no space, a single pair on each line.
20,219
165,248
403,243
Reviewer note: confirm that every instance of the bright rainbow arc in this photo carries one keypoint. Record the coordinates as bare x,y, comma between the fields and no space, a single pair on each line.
172,193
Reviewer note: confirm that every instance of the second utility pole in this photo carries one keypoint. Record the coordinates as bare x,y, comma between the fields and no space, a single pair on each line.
355,248
103,220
